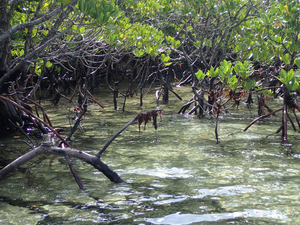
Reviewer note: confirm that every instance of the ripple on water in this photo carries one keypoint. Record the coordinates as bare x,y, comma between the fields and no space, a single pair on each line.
173,172
178,218
227,190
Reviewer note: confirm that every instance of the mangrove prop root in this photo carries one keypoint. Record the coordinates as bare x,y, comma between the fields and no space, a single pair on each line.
216,129
94,100
296,117
71,99
291,121
279,129
68,153
37,118
262,117
76,125
218,106
194,109
116,135
284,120
45,116
186,106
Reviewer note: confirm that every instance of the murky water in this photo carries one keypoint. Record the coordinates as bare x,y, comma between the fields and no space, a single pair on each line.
175,175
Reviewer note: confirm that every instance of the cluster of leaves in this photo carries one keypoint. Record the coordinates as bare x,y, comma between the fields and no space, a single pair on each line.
270,36
231,75
275,35
210,31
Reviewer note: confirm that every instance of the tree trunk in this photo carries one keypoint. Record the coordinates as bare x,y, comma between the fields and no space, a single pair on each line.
5,55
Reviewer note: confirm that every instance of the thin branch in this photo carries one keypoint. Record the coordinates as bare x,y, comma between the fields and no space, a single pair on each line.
21,26
122,129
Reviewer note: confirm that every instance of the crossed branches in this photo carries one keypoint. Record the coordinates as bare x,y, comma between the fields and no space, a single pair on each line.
94,160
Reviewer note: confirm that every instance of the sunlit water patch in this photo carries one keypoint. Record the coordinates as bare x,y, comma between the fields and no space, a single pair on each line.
181,219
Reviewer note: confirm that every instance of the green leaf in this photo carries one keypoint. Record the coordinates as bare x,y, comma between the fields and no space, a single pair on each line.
138,52
164,58
69,37
265,18
297,74
233,82
289,80
248,85
292,85
149,50
113,39
297,62
200,75
106,17
75,10
75,27
81,6
34,32
211,71
286,59
81,29
45,32
110,27
48,64
283,77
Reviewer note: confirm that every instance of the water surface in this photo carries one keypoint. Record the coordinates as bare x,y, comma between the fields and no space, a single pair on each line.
175,175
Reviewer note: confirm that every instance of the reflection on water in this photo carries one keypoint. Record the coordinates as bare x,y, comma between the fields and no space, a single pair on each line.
175,175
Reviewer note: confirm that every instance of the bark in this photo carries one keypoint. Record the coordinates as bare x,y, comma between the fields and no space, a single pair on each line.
284,117
262,117
68,153
4,44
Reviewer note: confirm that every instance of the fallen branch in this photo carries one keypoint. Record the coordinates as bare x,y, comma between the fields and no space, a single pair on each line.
93,160
45,148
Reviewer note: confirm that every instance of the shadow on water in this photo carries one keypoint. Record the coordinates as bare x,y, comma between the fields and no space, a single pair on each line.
175,175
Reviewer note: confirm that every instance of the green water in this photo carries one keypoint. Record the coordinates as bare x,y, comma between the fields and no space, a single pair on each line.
175,175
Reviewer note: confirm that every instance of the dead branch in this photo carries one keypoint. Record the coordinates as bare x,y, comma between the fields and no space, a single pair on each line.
93,160
141,117
46,149
74,172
